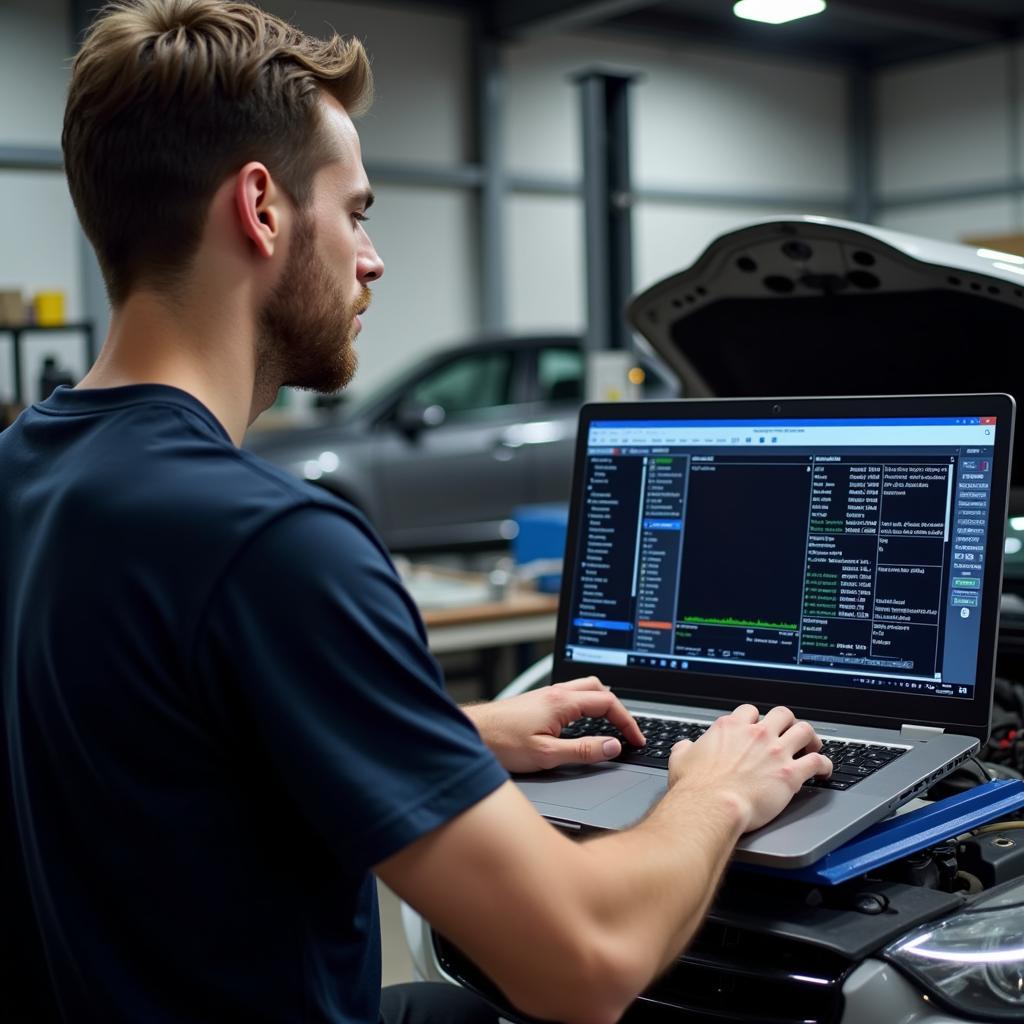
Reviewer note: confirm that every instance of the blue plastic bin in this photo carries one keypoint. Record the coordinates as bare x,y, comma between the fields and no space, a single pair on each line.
541,535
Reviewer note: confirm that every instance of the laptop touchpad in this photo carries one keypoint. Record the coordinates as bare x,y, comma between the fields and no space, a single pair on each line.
581,788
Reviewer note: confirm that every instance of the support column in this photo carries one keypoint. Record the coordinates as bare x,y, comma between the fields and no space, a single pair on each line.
489,154
607,203
1013,128
861,121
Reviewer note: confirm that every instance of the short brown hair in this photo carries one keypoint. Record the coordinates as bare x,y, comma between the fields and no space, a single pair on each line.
167,99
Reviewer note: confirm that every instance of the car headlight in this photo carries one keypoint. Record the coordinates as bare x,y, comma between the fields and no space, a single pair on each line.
972,961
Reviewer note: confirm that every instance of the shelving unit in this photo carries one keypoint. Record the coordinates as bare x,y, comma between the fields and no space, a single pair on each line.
16,334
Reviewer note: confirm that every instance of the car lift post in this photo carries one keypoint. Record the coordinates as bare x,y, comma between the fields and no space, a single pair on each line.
607,207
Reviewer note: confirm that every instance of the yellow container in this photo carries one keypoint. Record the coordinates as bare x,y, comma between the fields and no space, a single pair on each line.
49,308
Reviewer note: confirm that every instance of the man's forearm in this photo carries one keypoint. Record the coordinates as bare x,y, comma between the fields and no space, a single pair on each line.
683,846
667,868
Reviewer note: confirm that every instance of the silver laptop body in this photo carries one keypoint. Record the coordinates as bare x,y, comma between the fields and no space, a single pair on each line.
841,556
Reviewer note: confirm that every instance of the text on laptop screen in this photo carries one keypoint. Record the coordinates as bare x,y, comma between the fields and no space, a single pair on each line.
834,551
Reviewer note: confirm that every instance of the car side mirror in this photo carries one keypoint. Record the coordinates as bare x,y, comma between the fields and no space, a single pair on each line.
414,418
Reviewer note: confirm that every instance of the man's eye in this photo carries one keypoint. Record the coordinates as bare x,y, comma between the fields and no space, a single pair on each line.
361,217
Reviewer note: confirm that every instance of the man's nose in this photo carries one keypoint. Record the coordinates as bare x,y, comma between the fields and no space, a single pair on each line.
370,266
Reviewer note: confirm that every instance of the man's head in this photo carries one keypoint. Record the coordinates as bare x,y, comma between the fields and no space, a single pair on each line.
172,101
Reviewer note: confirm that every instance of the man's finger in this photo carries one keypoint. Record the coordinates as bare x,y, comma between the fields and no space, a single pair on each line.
813,764
747,713
779,719
604,704
585,750
800,738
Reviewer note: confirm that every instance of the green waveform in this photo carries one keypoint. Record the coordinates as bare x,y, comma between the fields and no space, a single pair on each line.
759,623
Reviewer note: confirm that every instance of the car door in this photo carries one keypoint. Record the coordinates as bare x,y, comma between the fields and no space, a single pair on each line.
456,481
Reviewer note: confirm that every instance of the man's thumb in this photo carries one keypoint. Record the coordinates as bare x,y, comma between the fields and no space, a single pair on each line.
598,749
585,750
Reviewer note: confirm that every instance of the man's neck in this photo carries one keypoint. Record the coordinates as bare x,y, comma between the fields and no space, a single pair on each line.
207,350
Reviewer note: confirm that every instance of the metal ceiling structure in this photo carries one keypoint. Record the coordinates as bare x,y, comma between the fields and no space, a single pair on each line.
867,34
857,37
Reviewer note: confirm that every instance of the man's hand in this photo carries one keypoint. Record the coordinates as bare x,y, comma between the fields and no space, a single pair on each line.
756,765
523,732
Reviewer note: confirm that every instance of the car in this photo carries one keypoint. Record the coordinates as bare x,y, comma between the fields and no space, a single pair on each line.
913,941
815,306
440,456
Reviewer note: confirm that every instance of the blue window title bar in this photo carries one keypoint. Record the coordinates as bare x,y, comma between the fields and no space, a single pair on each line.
902,421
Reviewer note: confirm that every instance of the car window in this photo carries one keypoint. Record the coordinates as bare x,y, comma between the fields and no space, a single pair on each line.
560,374
480,380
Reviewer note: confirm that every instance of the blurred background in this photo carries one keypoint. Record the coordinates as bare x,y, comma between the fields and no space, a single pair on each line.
902,114
907,115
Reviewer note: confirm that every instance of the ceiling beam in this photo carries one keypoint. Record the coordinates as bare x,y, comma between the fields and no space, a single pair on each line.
533,17
734,35
924,19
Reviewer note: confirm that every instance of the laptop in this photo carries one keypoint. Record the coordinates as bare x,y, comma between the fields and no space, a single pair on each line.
841,556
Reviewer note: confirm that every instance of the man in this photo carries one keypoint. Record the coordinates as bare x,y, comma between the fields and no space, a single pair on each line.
221,718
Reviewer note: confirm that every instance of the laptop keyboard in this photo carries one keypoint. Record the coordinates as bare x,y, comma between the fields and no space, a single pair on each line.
852,760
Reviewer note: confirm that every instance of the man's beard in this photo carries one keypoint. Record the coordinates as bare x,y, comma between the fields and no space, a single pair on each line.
307,330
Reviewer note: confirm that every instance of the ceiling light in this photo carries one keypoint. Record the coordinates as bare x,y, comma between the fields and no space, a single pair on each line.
775,12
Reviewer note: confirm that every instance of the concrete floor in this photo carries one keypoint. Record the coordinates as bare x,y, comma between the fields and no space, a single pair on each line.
396,962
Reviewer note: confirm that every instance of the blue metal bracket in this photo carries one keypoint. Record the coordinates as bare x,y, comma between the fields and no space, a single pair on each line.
904,834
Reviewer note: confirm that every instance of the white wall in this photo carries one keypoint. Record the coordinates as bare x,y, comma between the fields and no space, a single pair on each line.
544,263
700,119
428,294
426,236
39,237
956,220
949,124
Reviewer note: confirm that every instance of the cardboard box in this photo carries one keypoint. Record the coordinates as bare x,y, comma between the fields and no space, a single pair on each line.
12,308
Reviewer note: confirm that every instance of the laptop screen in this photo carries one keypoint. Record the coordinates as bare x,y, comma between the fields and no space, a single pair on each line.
846,552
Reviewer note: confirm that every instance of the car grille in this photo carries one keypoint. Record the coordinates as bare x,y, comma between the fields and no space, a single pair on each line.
727,974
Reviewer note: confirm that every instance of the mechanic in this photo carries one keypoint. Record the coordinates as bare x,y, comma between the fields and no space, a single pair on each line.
221,716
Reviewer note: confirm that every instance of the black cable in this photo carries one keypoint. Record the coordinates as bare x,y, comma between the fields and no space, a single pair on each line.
985,773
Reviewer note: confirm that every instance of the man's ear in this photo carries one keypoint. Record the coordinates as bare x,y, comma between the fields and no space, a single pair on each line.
258,205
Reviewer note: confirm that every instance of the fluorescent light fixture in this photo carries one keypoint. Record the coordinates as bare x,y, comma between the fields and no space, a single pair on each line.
1006,257
776,12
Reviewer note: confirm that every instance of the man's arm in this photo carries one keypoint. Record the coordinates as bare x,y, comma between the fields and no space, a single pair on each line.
574,931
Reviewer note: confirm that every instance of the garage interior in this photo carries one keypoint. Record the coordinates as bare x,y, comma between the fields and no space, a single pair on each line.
537,165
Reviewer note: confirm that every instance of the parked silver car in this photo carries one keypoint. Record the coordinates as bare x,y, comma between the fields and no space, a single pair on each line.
440,456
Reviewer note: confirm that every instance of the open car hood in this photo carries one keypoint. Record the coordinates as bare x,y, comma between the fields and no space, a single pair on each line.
816,306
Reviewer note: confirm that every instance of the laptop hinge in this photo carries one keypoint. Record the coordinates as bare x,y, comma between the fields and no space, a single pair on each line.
920,731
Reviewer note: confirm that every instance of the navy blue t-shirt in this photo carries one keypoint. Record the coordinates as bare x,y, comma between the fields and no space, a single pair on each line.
219,713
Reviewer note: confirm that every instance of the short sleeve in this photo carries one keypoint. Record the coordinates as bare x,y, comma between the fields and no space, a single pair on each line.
311,642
